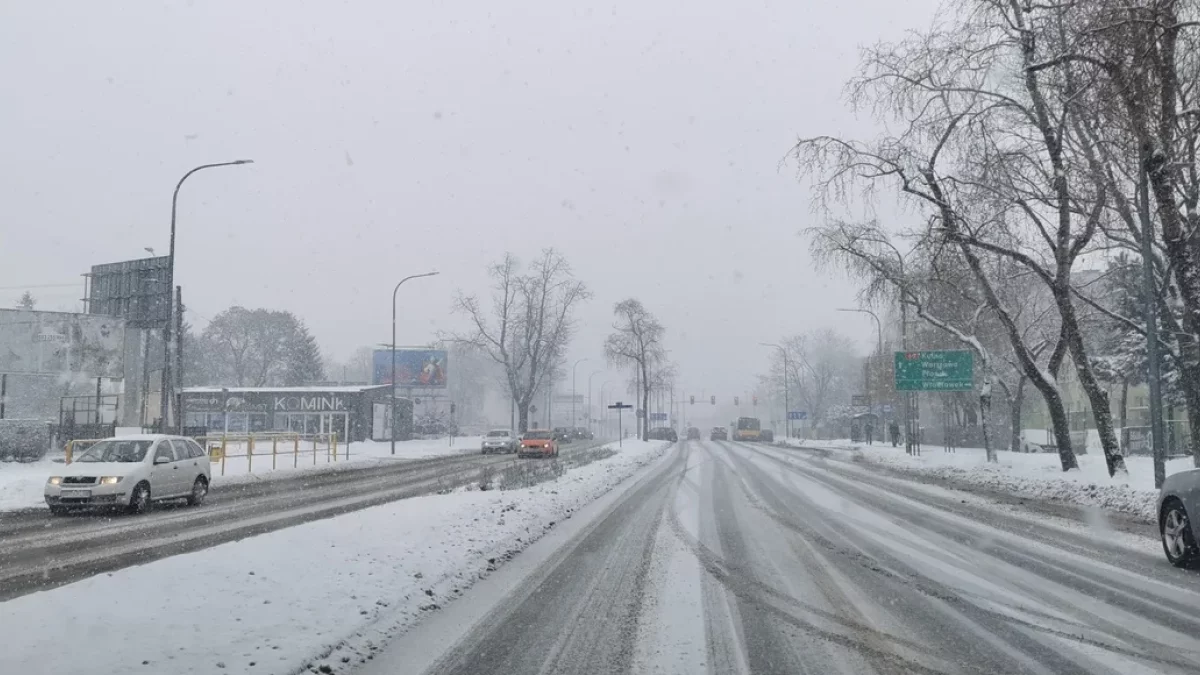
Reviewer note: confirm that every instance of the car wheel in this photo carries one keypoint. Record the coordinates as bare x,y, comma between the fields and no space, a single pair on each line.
1176,530
199,492
139,502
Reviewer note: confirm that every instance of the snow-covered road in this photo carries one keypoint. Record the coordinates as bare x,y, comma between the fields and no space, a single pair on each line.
733,558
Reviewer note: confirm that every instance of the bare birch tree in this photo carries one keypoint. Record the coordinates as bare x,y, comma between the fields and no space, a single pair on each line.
529,323
637,340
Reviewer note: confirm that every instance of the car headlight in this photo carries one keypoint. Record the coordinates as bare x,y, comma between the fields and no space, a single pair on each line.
110,480
55,480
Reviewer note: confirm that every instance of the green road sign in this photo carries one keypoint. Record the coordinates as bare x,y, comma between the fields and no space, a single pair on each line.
937,370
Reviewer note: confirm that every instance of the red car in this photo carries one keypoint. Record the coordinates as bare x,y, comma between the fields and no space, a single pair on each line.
538,443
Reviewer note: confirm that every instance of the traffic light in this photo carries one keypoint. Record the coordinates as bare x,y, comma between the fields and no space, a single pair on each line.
714,400
693,400
735,401
756,399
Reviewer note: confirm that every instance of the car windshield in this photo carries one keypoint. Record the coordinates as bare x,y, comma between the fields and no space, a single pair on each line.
538,435
498,434
116,451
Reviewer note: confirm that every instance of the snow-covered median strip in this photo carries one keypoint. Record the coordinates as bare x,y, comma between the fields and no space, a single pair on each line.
1032,475
320,596
21,485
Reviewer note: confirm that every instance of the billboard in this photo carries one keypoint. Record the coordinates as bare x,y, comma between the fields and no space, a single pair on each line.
134,290
414,367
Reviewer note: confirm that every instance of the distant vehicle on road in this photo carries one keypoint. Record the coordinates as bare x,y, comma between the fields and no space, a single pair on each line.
131,472
766,436
500,440
746,429
693,434
663,434
584,434
538,443
718,434
1178,501
564,434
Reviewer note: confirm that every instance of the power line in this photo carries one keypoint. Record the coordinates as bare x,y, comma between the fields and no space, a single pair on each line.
21,288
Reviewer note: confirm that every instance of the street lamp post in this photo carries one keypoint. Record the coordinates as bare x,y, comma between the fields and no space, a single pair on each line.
787,409
573,419
878,327
167,389
393,379
589,403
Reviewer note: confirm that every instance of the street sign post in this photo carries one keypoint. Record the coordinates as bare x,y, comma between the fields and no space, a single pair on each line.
797,415
935,370
860,400
620,408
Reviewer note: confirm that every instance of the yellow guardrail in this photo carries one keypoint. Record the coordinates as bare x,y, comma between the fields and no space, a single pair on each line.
218,448
70,449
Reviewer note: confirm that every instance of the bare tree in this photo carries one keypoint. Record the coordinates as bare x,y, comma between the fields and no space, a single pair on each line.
260,347
821,371
637,341
529,322
982,154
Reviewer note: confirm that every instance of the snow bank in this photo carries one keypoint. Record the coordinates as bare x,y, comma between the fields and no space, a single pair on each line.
21,485
321,594
1034,475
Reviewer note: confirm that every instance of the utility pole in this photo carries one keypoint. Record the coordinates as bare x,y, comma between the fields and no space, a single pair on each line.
179,358
1157,433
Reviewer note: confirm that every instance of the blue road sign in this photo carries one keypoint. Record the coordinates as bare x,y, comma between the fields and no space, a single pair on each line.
797,415
658,416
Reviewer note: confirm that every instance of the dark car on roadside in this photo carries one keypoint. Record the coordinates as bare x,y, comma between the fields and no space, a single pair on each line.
663,434
766,436
564,434
583,434
693,434
718,434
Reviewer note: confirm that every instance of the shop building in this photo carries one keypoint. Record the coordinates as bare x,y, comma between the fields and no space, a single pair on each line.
354,413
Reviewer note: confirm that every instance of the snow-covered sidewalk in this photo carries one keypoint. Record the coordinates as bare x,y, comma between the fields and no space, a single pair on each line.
1033,475
318,596
21,485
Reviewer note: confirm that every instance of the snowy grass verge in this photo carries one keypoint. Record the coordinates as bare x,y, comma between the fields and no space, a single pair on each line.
1032,475
318,597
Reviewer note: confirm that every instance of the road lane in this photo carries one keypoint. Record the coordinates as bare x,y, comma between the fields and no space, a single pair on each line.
40,551
739,558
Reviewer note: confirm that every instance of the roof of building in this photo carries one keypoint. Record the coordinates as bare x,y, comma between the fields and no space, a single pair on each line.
284,390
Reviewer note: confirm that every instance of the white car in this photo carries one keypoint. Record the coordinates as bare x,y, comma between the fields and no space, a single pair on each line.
131,472
500,440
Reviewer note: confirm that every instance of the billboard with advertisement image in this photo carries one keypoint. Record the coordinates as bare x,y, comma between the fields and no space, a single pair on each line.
415,368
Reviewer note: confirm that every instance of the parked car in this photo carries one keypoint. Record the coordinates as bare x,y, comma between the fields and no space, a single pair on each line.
500,440
538,443
718,434
766,435
1178,501
693,434
564,434
131,472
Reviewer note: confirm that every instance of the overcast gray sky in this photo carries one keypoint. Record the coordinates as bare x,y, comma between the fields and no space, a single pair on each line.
642,138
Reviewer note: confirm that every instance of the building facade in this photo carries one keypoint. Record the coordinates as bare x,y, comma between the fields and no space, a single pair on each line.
354,413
